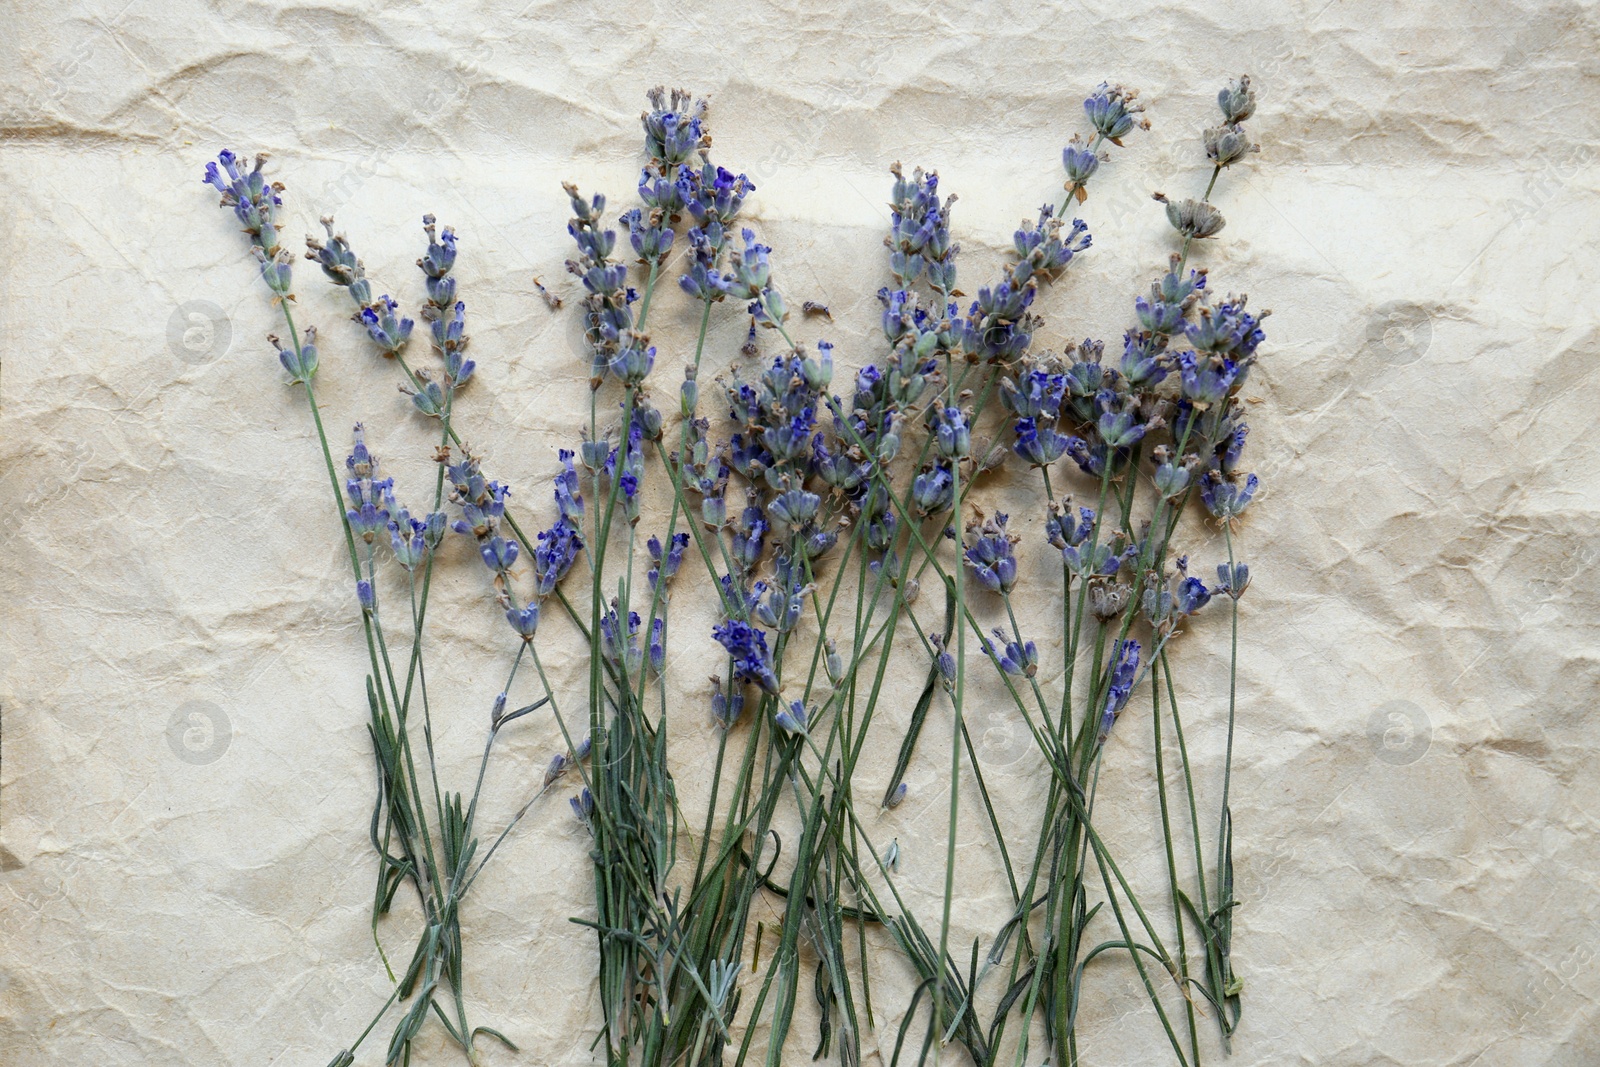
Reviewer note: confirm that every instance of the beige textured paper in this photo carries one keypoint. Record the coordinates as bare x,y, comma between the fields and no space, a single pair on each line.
186,775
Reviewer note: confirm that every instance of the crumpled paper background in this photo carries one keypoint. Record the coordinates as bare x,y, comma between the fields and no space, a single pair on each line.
185,776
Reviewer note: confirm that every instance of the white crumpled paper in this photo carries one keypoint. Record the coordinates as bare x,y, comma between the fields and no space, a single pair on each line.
186,777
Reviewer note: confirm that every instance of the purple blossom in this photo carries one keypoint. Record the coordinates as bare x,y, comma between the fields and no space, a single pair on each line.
1233,579
525,620
658,646
1013,657
1112,111
499,554
568,499
389,330
1207,380
673,127
990,556
748,647
792,719
555,554
665,560
1035,395
1225,499
1123,669
933,491
1040,446
1190,595
619,648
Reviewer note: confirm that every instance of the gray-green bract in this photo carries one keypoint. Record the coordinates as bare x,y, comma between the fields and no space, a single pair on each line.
849,498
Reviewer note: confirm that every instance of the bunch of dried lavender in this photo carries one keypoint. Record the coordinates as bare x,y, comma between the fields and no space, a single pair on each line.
843,494
424,835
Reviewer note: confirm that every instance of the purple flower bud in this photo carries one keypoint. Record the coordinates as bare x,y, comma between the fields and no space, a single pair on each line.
1124,665
499,554
525,620
1233,580
792,720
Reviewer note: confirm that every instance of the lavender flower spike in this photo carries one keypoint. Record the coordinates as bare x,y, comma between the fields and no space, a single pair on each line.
748,647
989,555
1124,666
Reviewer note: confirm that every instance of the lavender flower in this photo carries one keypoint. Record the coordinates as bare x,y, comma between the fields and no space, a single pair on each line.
1091,459
499,554
717,198
1118,429
1171,480
555,554
725,710
933,491
1035,394
1124,666
1227,500
450,339
665,561
997,326
338,261
794,508
1101,560
658,646
301,365
254,202
525,621
412,538
1237,100
619,646
1080,161
1113,112
1060,531
943,660
673,125
583,808
1012,656
370,497
990,556
1042,248
1228,330
749,536
560,763
649,234
783,600
951,431
1143,364
1206,380
633,360
1190,595
1232,447
748,647
1233,579
833,663
607,313
389,330
919,231
1195,219
1227,144
1039,445
792,719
